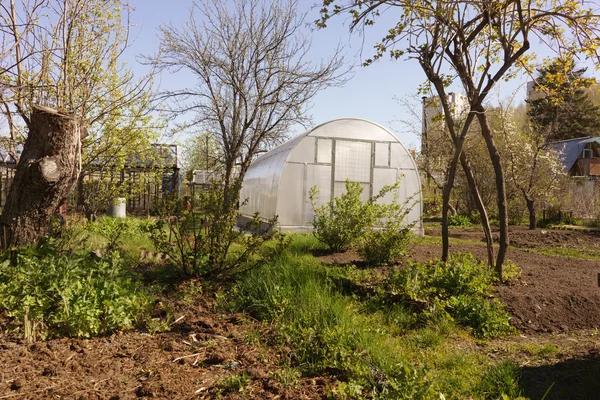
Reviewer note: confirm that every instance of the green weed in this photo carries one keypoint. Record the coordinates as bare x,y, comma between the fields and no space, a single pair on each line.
234,383
502,380
459,220
76,295
461,287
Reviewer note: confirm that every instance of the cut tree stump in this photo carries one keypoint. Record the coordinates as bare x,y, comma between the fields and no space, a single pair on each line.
46,174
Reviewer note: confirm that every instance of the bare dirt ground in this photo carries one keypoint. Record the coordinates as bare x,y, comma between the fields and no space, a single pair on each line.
556,301
200,350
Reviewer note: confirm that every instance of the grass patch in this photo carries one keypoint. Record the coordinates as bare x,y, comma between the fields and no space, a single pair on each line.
580,253
542,351
376,347
234,383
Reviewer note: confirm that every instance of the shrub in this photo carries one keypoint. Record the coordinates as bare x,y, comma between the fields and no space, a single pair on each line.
378,229
386,239
343,219
74,295
203,241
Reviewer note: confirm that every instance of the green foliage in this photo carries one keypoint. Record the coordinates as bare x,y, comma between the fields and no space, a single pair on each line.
502,380
117,230
73,295
386,239
288,376
343,220
563,111
487,317
201,152
459,220
511,271
377,349
203,240
379,230
298,295
460,287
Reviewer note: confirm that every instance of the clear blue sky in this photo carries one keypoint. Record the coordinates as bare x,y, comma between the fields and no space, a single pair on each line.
371,93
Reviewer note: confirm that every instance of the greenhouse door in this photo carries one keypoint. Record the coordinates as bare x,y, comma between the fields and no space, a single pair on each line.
352,161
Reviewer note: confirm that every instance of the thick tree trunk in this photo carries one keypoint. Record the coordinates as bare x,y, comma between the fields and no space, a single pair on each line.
45,176
500,187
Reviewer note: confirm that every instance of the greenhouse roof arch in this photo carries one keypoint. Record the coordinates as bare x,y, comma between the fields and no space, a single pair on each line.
278,182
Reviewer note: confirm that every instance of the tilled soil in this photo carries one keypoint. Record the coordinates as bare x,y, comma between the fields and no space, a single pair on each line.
201,350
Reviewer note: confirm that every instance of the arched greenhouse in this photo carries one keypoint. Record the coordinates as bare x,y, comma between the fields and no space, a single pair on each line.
278,182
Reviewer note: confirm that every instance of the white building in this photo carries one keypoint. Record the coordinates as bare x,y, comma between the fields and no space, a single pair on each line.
433,122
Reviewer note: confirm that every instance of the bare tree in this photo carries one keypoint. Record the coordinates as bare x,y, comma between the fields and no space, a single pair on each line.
253,70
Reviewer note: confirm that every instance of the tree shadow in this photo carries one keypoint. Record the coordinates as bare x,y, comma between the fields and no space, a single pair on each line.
570,379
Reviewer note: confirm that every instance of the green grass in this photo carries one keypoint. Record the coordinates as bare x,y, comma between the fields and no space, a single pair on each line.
437,240
377,348
580,254
541,351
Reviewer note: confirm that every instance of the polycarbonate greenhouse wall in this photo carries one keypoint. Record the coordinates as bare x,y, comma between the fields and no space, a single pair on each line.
278,182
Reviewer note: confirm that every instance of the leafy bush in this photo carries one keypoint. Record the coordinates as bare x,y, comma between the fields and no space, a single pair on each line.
461,287
74,295
386,239
459,220
203,240
379,229
343,219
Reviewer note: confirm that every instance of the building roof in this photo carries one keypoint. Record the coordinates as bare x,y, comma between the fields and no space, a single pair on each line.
571,149
6,158
165,155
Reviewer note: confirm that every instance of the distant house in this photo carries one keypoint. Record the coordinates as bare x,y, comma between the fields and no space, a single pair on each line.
580,157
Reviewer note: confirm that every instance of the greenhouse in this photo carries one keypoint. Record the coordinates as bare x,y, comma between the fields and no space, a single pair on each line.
278,183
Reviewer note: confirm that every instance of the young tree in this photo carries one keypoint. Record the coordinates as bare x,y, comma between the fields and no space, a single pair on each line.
202,152
478,43
254,76
560,106
532,168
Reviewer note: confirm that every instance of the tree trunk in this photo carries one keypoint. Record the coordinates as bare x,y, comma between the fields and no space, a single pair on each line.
446,199
531,209
485,222
500,187
45,176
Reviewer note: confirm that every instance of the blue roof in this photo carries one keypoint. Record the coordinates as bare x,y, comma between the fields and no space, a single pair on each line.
571,149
